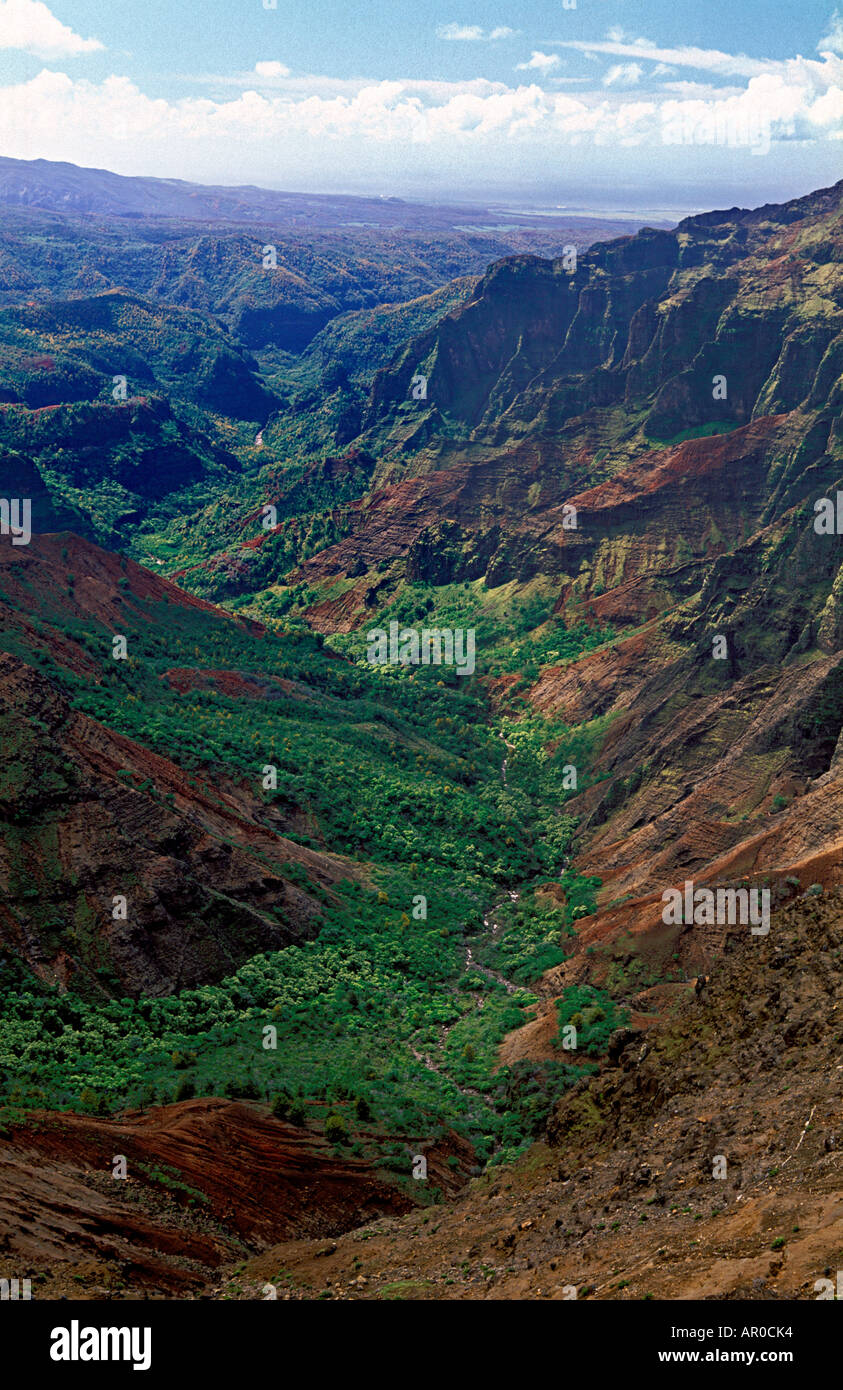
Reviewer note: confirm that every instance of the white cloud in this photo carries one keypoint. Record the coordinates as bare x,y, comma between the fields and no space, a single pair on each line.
392,127
272,69
472,33
467,33
317,85
623,75
542,62
833,40
709,59
30,26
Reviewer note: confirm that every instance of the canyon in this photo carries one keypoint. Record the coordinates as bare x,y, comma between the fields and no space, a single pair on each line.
679,393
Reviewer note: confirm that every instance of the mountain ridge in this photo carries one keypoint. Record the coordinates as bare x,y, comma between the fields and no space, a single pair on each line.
64,186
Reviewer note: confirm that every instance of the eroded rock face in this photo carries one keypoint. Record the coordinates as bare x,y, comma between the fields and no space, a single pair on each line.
645,320
203,878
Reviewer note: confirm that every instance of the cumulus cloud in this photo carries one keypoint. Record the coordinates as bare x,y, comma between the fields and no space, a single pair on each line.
472,33
317,85
623,75
395,125
272,69
541,62
30,26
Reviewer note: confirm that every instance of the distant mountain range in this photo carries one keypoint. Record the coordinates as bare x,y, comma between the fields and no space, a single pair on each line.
59,187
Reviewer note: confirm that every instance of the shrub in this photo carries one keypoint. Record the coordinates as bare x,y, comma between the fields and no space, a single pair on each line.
88,1100
593,1013
335,1130
281,1106
242,1090
362,1108
185,1089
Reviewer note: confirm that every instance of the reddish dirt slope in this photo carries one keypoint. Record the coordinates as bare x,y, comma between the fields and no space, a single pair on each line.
206,1180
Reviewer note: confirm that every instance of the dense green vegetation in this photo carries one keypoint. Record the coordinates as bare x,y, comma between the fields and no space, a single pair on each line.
387,1014
594,1016
59,353
423,749
356,1013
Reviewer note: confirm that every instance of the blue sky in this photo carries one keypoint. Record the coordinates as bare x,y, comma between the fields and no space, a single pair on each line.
637,103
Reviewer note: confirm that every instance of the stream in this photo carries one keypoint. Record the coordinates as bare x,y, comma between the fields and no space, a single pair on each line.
503,764
471,964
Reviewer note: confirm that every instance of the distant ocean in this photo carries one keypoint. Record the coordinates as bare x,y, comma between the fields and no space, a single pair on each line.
573,210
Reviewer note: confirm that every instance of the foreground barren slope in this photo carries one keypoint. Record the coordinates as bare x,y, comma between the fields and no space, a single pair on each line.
742,1076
